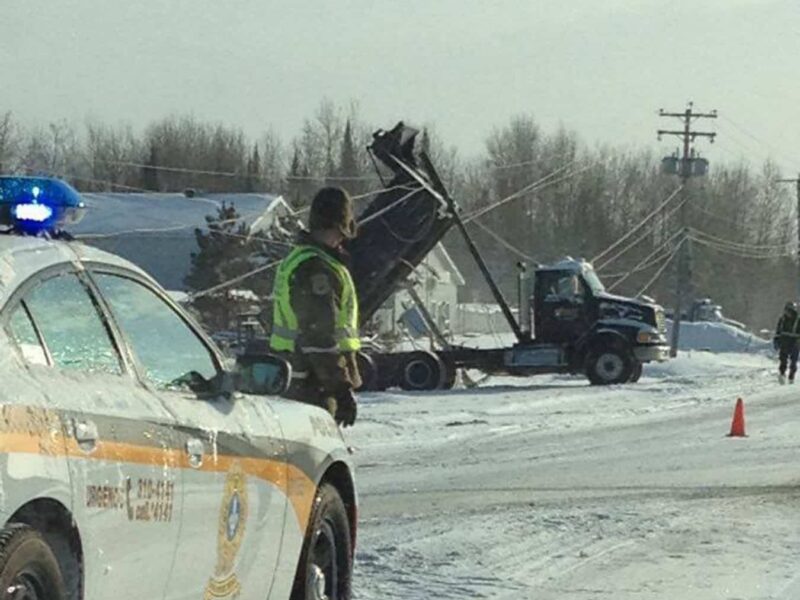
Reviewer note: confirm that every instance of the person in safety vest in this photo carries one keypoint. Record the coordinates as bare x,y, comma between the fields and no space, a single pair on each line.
315,310
787,334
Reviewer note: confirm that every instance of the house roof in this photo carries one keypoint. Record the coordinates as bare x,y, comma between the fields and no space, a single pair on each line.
156,231
115,213
444,257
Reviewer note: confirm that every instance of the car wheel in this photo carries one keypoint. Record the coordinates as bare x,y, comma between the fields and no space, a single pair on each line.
636,372
421,371
28,567
368,371
609,365
326,561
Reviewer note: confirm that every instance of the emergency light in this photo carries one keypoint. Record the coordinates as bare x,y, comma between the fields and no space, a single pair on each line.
34,205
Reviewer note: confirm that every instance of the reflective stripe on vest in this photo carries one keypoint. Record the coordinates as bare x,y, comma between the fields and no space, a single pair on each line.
285,328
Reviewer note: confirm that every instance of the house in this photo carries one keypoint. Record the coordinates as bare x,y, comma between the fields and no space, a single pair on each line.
157,231
438,280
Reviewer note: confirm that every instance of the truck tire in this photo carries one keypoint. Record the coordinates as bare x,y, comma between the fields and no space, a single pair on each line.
28,566
368,371
421,371
636,372
450,374
609,365
326,560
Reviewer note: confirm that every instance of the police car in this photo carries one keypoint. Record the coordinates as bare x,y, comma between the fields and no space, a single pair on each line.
133,463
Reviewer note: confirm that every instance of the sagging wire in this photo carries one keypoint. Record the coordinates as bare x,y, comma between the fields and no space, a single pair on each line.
234,281
646,233
741,253
385,209
641,224
649,260
663,268
505,243
531,187
741,245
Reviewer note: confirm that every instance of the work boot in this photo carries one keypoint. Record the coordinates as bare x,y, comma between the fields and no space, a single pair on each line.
791,379
781,378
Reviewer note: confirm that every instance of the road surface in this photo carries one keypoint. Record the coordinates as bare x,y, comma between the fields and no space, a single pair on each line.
549,488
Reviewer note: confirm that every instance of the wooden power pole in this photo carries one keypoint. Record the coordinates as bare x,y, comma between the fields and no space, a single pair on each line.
689,165
796,181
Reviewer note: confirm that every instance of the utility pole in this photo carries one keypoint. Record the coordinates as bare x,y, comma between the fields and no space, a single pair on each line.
796,181
689,165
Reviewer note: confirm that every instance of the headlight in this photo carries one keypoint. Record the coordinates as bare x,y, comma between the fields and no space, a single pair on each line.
648,337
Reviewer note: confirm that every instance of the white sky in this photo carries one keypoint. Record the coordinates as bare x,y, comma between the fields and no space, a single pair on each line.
600,67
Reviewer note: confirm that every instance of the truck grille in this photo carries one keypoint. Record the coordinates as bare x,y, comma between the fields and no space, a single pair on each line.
661,322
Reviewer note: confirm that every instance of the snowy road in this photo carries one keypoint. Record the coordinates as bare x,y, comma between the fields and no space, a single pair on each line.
549,488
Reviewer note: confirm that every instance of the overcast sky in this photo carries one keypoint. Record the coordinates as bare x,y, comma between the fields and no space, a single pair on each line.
600,67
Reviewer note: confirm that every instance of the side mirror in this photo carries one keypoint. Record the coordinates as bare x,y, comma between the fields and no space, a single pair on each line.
263,374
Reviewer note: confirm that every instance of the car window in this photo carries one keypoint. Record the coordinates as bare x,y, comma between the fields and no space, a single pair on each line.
71,325
23,333
169,350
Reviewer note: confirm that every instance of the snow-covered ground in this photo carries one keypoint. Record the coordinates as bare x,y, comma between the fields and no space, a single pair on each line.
549,488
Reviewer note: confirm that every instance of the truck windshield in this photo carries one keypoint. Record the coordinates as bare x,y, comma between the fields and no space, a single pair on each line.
593,281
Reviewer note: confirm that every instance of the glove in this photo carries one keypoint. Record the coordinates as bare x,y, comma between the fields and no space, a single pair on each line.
346,408
776,343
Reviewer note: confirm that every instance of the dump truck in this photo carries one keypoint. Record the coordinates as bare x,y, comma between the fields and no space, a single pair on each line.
567,322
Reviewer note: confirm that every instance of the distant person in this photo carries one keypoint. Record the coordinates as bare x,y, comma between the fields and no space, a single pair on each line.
315,310
785,341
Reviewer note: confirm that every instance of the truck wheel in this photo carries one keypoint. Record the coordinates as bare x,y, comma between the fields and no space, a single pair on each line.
368,371
28,567
421,371
450,375
636,372
326,561
609,365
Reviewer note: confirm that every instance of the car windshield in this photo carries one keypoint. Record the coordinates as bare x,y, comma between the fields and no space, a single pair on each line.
399,299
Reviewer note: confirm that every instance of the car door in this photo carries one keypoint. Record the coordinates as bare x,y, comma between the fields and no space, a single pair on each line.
118,441
234,477
561,307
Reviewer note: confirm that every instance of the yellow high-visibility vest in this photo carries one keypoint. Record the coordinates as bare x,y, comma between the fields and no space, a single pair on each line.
284,320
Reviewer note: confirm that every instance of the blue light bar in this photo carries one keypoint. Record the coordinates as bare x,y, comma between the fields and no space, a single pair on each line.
34,205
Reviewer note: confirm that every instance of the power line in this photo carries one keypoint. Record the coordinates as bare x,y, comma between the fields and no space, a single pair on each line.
234,281
741,245
386,209
742,253
648,261
625,237
663,268
536,186
505,243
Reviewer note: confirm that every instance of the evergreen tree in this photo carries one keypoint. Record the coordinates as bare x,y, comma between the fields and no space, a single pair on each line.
348,162
149,171
225,251
253,171
294,183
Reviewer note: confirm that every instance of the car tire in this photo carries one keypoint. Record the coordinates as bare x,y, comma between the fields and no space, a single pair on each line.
368,371
326,561
28,565
636,372
609,365
421,371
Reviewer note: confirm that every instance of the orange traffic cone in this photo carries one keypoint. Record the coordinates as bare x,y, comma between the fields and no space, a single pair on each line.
737,425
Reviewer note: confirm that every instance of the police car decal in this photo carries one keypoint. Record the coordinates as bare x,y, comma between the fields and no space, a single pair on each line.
232,521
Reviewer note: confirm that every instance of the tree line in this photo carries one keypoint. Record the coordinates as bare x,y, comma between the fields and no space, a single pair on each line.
546,194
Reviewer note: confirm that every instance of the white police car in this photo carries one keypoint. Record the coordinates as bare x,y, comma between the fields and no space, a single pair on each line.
130,464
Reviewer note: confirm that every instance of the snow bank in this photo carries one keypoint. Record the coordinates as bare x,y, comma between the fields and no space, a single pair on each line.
718,337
